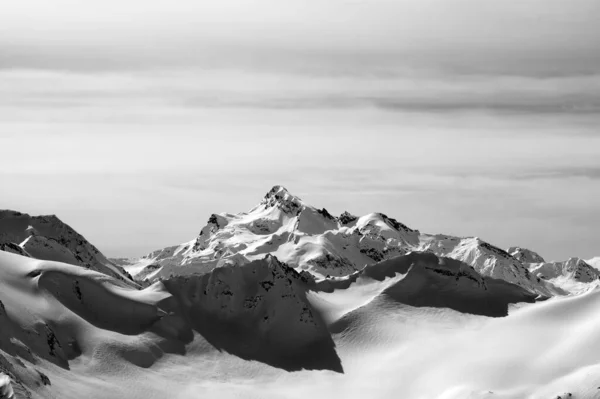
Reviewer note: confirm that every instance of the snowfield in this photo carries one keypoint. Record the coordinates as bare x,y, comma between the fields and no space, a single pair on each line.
288,301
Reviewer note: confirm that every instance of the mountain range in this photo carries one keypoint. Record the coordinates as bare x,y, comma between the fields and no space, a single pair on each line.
312,240
287,300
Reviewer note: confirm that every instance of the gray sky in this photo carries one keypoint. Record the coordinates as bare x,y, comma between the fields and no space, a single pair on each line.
134,121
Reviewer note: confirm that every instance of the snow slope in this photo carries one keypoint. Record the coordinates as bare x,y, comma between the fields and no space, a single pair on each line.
397,328
48,238
54,315
311,239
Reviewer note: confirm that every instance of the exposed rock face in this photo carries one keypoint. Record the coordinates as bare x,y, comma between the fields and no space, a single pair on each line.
215,222
327,262
14,248
281,198
347,218
396,224
48,238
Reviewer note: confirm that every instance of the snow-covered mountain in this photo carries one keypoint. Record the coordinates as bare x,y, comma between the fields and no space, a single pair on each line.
48,238
573,275
69,332
395,299
312,240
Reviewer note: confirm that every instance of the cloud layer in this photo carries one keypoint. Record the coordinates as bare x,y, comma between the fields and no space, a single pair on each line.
473,117
184,90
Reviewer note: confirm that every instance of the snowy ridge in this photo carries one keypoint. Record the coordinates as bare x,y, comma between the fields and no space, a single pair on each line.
312,240
488,260
48,238
573,275
433,281
575,268
525,255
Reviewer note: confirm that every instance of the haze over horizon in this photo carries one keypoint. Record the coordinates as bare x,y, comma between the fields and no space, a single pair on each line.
133,122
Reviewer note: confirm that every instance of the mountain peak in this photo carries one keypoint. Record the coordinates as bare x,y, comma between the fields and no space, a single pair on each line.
281,198
278,190
525,255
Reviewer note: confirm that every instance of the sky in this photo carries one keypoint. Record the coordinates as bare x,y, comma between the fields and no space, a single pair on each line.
135,121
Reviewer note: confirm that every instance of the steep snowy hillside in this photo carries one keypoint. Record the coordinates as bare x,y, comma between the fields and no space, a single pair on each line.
257,312
48,238
312,240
